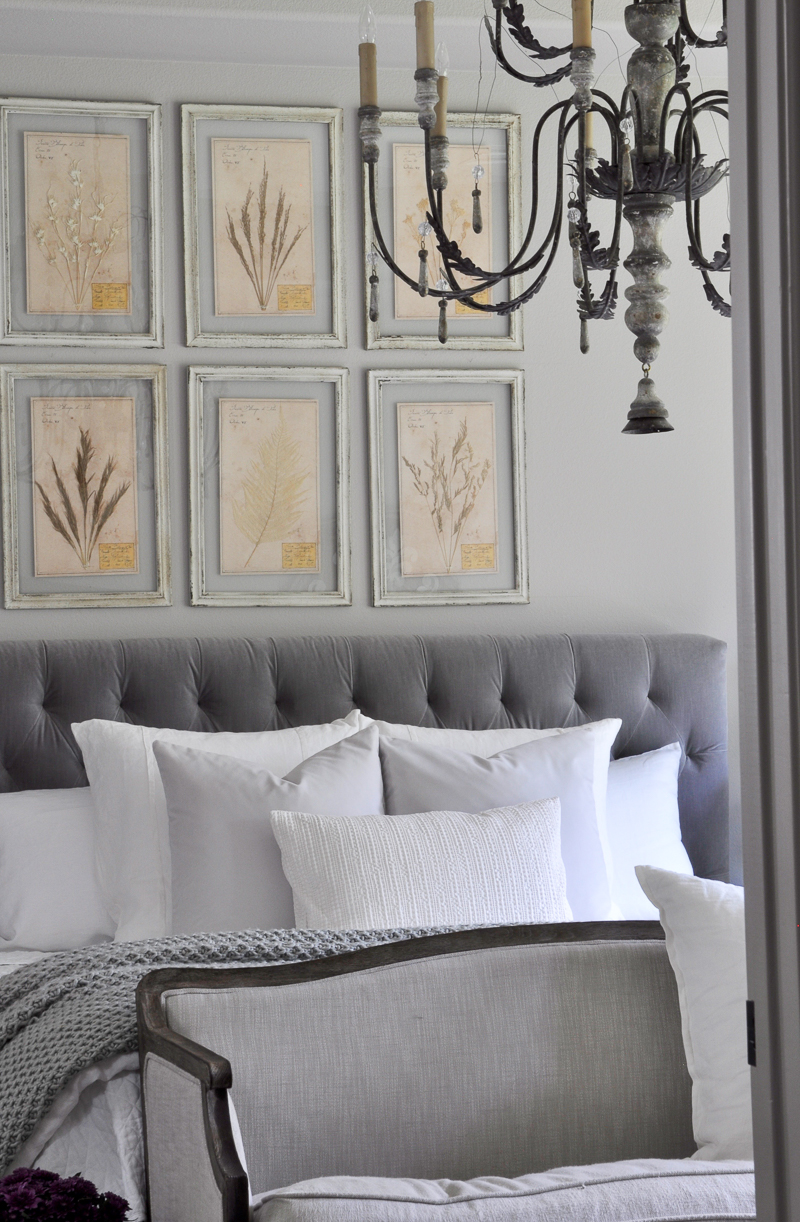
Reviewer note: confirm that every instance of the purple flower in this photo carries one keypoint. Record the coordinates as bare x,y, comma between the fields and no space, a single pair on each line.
28,1195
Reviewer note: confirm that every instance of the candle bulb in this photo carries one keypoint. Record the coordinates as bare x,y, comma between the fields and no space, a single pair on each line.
581,23
442,67
368,57
423,16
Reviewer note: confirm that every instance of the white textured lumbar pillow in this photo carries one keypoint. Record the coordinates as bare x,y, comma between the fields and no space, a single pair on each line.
704,925
440,867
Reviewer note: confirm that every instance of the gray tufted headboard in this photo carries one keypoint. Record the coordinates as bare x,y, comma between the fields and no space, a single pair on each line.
665,688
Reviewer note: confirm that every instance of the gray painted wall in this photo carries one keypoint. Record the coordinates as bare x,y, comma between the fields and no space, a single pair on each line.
626,533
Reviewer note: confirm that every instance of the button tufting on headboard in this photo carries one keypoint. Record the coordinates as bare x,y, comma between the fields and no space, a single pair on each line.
664,688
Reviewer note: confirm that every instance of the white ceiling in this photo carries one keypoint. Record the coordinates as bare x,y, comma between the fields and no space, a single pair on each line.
313,33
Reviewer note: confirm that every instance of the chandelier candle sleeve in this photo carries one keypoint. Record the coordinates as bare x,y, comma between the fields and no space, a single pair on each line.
423,15
581,23
368,56
442,66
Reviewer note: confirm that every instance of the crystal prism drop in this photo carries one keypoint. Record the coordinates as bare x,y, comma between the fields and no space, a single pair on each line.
477,216
373,298
627,168
443,322
577,266
422,283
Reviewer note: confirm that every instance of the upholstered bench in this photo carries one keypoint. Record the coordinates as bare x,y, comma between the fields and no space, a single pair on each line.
454,1070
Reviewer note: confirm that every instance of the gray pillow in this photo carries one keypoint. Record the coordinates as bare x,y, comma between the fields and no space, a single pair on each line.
226,864
571,766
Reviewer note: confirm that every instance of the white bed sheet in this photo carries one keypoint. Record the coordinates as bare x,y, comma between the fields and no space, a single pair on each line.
94,1127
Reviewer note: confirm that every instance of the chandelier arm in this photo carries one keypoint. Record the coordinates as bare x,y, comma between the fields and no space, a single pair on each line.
552,239
610,255
610,103
683,90
522,35
515,267
709,105
694,39
376,230
721,261
543,79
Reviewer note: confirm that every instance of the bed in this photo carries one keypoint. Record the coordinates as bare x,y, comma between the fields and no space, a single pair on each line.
665,689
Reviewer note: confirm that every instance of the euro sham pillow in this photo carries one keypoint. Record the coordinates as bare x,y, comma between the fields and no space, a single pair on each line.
226,865
132,834
418,778
50,898
704,926
438,868
644,825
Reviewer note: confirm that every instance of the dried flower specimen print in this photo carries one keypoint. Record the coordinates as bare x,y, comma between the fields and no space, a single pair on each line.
263,234
448,513
77,207
269,477
84,486
410,207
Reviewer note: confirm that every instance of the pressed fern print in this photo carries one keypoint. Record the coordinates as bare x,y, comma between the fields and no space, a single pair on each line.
269,476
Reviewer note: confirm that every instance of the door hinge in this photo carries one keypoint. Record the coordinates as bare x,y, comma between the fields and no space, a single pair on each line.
751,1032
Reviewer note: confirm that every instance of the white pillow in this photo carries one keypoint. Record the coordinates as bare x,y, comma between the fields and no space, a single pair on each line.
644,826
418,777
704,926
438,868
49,895
226,865
132,836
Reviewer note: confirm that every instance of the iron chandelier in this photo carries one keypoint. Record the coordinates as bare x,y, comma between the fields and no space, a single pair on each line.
655,162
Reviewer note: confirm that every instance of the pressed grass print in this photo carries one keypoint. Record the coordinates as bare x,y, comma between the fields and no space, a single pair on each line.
448,503
84,486
263,232
410,207
78,223
269,485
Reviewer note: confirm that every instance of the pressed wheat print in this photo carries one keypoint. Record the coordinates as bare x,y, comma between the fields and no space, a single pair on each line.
410,207
269,485
263,227
448,505
84,487
78,223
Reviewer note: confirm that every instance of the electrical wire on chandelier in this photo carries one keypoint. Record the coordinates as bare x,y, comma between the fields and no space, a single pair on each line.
655,162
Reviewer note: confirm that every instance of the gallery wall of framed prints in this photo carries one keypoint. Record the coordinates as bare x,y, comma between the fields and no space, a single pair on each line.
490,143
263,226
269,486
83,435
85,486
447,485
81,223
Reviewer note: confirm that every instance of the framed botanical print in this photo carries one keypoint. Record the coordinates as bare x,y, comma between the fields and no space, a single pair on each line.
81,220
447,480
269,486
489,149
85,486
262,190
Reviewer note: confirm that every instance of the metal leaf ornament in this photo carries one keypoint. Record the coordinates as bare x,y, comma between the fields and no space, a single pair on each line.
275,490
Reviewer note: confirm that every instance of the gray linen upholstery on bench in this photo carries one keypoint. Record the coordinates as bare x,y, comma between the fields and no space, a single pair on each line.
665,689
497,1051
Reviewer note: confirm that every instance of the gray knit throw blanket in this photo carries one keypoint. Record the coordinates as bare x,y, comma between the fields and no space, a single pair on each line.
62,1014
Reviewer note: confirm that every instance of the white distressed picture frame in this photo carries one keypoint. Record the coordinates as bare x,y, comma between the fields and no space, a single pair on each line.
199,263
445,591
305,378
150,115
382,334
14,596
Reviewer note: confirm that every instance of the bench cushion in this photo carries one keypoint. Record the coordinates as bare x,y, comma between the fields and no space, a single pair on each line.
640,1190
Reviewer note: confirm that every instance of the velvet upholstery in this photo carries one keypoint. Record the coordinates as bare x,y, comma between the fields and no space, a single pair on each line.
665,689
